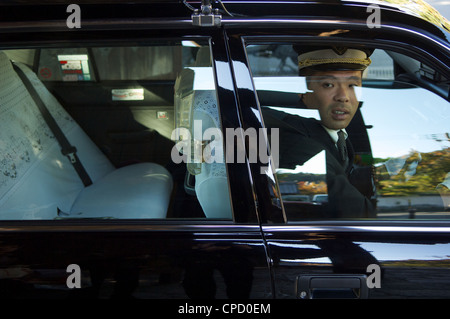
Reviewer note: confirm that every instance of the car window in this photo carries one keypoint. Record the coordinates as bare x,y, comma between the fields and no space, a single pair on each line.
134,121
399,137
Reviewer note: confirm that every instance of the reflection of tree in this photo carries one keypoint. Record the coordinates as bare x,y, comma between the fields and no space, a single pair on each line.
420,173
414,174
307,184
423,10
311,188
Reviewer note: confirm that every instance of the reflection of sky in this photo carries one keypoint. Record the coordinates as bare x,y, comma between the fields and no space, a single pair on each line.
398,252
405,120
392,252
292,84
315,165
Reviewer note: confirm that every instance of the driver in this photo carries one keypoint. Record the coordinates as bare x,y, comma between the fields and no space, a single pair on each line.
331,75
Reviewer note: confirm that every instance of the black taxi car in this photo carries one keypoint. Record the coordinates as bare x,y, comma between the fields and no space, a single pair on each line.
137,161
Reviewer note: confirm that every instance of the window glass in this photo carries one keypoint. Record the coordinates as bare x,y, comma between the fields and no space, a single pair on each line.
396,162
134,118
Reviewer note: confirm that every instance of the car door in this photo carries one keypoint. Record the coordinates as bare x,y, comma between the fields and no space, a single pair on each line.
400,134
207,245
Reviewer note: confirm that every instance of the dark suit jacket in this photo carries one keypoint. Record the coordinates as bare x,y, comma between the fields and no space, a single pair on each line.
301,139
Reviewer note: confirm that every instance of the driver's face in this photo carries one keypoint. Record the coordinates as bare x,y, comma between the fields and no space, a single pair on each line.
334,96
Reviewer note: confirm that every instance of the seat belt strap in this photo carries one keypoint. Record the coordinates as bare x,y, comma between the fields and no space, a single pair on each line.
66,148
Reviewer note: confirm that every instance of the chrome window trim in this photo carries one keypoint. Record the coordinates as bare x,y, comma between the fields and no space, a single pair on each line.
203,227
335,24
97,25
365,227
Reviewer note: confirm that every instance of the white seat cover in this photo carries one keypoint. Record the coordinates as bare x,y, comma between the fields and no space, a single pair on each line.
136,191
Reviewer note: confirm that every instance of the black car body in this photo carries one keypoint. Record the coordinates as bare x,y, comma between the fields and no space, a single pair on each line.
94,59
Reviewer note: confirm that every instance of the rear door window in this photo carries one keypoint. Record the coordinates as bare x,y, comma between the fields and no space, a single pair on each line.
130,112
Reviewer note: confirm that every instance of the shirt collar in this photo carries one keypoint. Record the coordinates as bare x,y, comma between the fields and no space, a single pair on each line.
333,133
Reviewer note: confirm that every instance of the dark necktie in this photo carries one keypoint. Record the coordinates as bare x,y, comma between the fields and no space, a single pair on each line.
342,147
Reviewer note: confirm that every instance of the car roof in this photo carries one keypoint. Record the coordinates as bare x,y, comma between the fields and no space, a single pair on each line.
393,10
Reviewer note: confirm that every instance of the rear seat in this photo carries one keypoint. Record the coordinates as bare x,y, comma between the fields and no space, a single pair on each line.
37,181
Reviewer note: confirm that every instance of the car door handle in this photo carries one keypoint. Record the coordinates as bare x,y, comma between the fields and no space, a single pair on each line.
332,287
